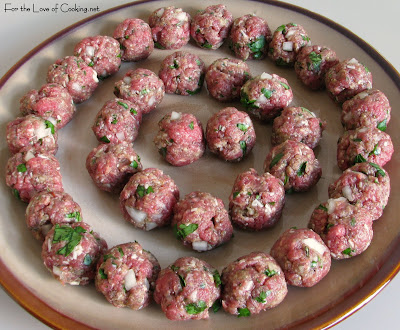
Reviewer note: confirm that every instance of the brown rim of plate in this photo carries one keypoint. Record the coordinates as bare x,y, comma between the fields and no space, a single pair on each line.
326,317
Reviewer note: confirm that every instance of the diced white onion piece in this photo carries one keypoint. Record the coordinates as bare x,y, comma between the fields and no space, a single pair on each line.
261,99
46,228
150,225
52,120
29,155
362,95
95,76
287,46
137,216
265,75
130,280
363,130
256,203
77,252
43,156
152,100
200,246
74,283
352,61
346,191
313,244
48,245
127,80
268,208
182,17
146,283
90,50
290,33
56,271
175,115
331,206
42,131
160,12
247,285
76,87
120,135
351,67
250,211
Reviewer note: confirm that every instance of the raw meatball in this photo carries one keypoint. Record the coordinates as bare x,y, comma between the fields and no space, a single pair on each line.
230,134
256,201
364,144
287,41
170,27
111,165
126,275
52,102
47,209
210,27
345,229
368,108
142,87
346,79
136,41
201,221
266,95
29,172
297,124
148,199
295,164
251,284
31,131
180,138
117,121
182,73
187,289
71,251
312,63
303,256
102,53
365,185
225,77
74,74
249,37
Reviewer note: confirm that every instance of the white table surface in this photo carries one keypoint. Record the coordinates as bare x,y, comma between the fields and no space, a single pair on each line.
373,21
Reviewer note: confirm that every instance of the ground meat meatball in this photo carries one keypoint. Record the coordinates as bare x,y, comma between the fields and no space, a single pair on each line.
182,73
126,275
303,256
287,41
142,87
251,284
29,172
346,79
170,27
365,185
180,138
297,124
368,108
312,63
111,165
225,77
134,36
117,121
148,199
31,131
201,221
47,209
266,95
345,229
71,251
256,201
249,37
102,53
74,74
187,289
52,102
230,134
210,27
364,144
295,165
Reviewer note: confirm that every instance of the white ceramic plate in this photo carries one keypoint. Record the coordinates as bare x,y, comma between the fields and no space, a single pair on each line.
348,284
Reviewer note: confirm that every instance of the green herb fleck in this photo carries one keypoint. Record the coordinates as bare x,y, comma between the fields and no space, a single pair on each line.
275,160
217,278
21,168
379,171
158,45
243,312
174,268
382,125
50,125
306,248
376,151
243,146
181,280
123,104
359,159
133,111
102,274
305,38
366,69
72,236
216,306
191,125
348,251
206,45
163,152
353,222
175,65
184,230
198,62
302,169
134,164
313,264
76,215
105,139
257,46
141,191
115,120
15,192
262,297
281,28
242,127
196,308
270,273
121,252
91,63
236,194
286,179
87,261
321,207
357,140
267,92
316,60
286,86
246,102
